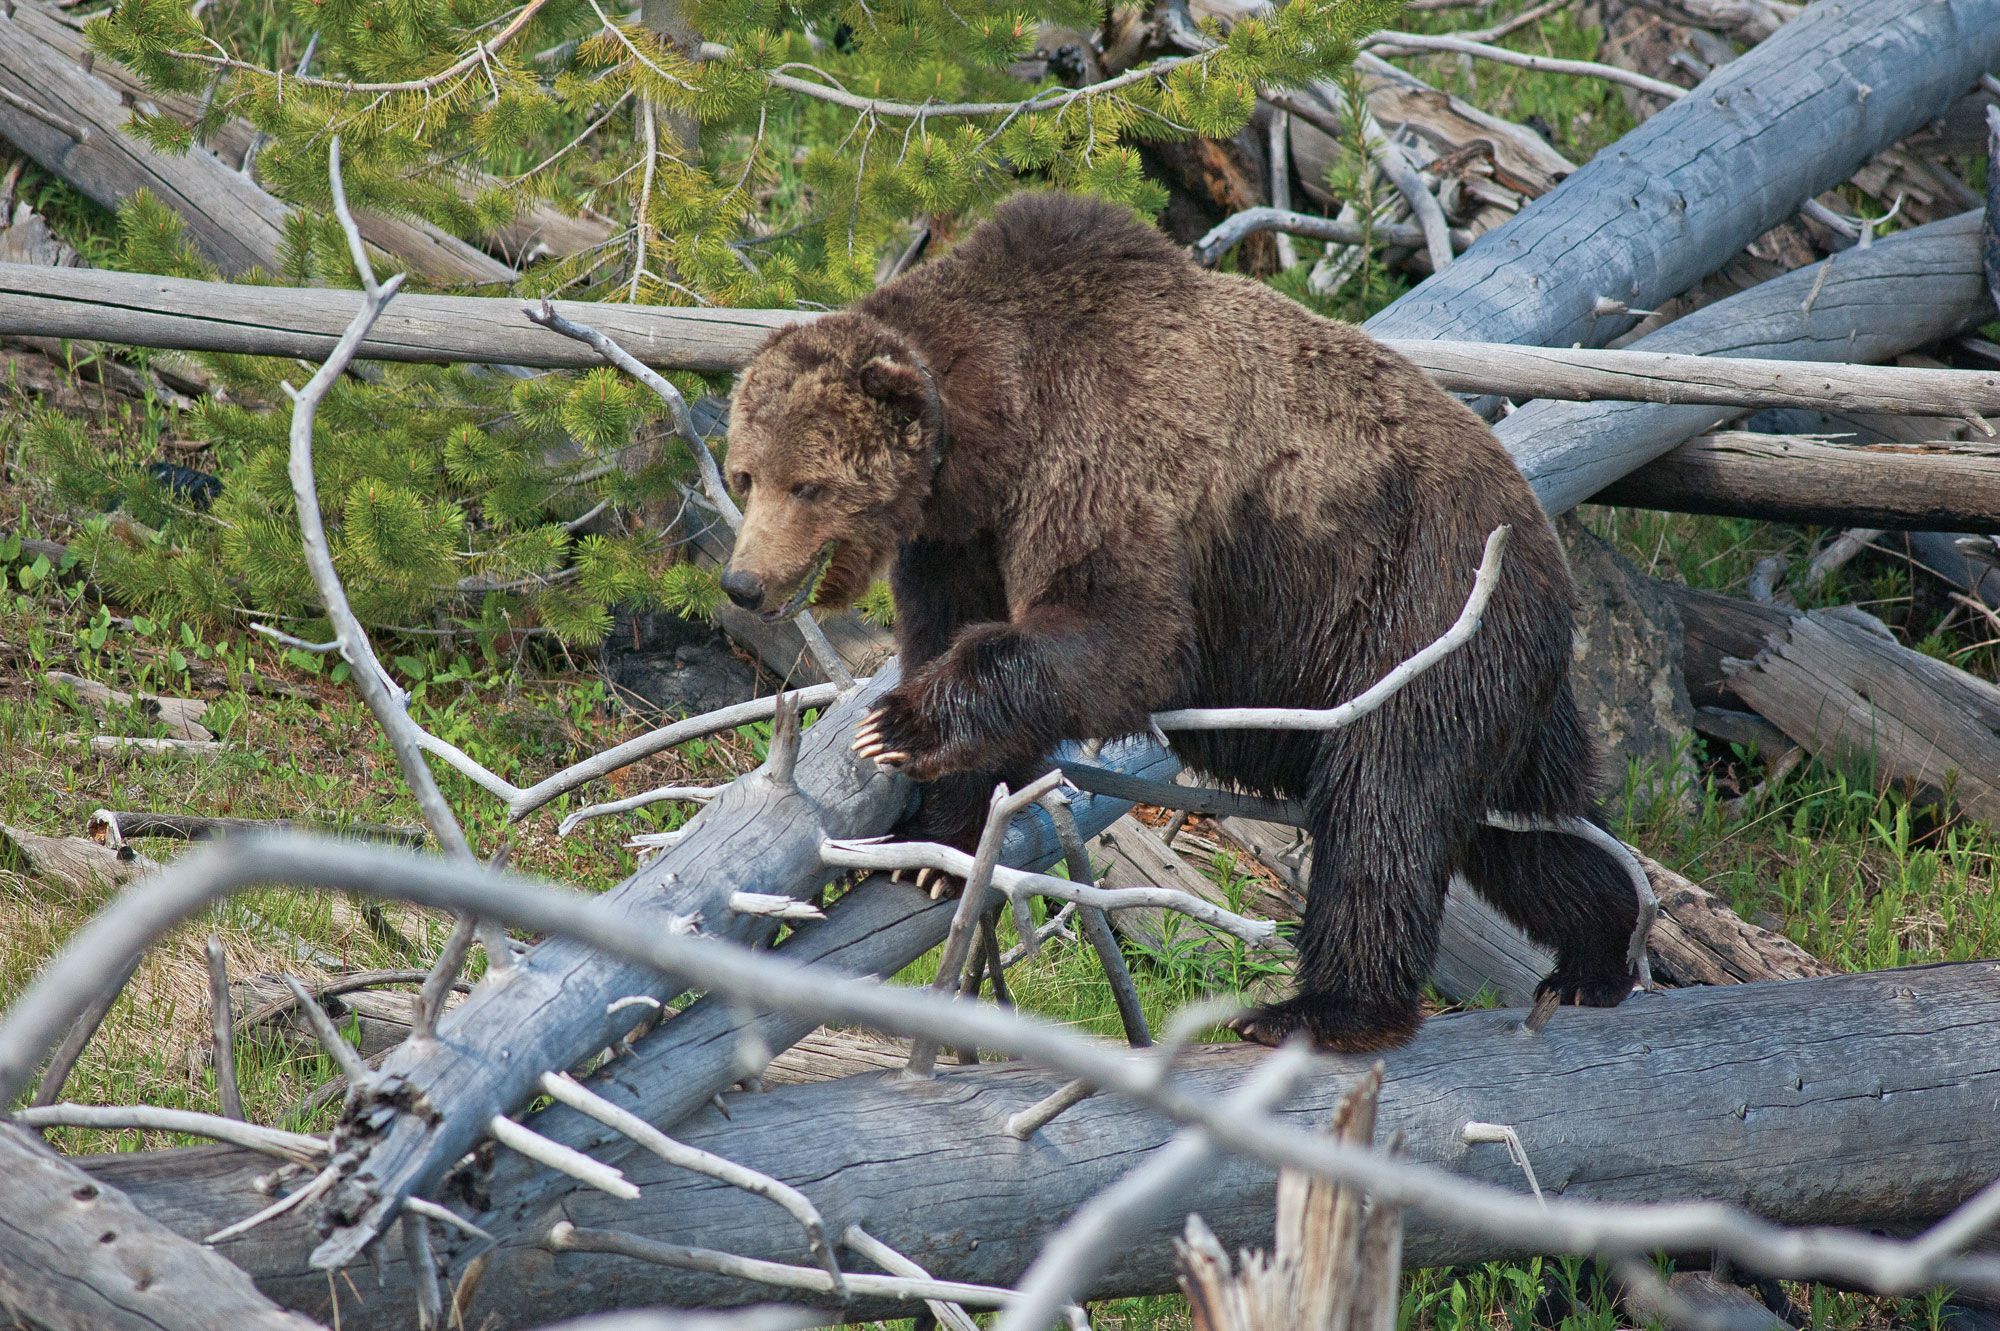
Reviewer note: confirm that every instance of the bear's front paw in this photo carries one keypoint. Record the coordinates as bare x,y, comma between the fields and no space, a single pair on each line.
898,736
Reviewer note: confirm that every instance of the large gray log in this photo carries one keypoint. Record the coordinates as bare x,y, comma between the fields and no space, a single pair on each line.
1673,200
79,1256
78,137
1856,1099
550,1009
231,219
1797,478
1863,304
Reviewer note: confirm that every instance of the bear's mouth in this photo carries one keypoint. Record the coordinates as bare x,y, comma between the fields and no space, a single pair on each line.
808,585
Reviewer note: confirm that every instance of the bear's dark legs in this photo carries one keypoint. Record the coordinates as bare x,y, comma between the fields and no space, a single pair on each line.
1562,891
1387,824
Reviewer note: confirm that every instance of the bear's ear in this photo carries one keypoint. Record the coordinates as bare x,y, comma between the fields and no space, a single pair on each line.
897,382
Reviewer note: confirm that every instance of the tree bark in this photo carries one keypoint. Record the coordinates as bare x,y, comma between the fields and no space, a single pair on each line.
80,1256
1798,478
1902,292
1677,197
232,220
1858,1099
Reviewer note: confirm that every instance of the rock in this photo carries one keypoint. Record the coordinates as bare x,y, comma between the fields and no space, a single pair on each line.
678,666
1626,663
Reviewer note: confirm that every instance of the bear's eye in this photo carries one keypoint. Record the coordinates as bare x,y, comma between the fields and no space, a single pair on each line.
806,493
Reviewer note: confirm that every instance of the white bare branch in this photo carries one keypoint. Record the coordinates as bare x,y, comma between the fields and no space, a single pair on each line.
657,795
563,1159
295,1147
1019,882
577,1096
1334,718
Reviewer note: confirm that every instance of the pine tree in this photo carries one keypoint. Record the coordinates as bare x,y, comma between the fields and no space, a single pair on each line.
750,153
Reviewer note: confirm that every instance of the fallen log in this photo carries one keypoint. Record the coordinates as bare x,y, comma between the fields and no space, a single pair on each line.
1864,304
539,228
1800,478
80,1256
68,111
1847,693
1862,1097
1647,218
190,315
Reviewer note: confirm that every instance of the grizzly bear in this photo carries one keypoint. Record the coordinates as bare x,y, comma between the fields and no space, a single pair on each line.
1109,482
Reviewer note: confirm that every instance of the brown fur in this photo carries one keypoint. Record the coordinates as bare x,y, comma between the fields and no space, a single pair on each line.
1163,487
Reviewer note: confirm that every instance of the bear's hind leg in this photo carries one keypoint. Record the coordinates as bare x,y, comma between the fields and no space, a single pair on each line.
1386,834
1563,892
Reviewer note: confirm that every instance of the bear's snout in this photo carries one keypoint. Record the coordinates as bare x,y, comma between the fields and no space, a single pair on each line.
746,589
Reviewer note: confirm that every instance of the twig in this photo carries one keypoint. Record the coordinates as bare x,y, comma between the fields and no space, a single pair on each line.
65,1058
1642,886
932,855
1334,718
657,795
1838,553
1239,227
1095,924
1408,43
1025,1123
978,873
222,1034
370,679
423,1271
1074,1255
136,918
563,1159
295,1147
896,1264
1415,192
521,801
424,1013
568,1090
566,1237
545,316
1278,152
77,133
344,1055
318,1184
1473,1134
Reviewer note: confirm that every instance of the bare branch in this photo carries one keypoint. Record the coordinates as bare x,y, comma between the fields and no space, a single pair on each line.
294,1147
577,1096
565,1237
657,795
563,1159
896,1264
1334,718
344,1055
291,1201
978,873
1025,1123
458,68
1096,924
1016,882
223,1047
65,1059
1409,43
1415,191
1239,227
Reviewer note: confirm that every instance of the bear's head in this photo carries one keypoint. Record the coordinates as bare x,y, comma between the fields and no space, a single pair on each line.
834,434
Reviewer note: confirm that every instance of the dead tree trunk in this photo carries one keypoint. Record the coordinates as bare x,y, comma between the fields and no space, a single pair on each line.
1859,1096
76,132
81,1256
1799,478
1646,218
1902,292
